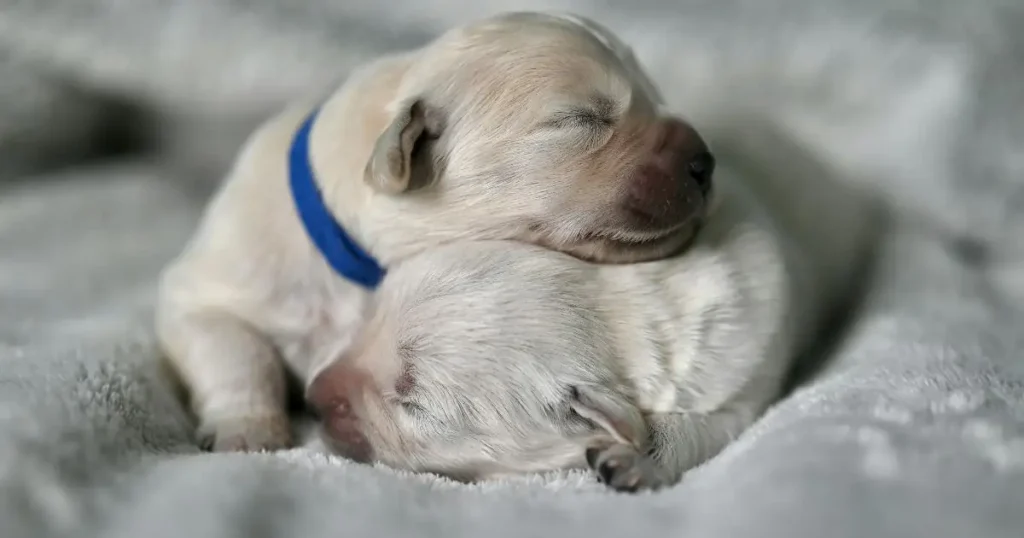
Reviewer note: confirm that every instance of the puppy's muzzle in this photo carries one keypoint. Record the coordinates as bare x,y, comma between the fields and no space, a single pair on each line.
672,185
329,395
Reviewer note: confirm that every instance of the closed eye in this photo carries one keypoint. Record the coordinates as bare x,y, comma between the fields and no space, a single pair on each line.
579,118
586,129
411,407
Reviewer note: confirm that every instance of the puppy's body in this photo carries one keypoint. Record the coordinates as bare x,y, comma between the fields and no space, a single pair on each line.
531,127
249,291
487,358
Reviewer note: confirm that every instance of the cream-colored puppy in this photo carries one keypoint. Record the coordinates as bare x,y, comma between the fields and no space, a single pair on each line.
530,127
491,357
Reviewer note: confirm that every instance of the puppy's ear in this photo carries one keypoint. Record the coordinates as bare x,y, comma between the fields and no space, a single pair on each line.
611,412
401,159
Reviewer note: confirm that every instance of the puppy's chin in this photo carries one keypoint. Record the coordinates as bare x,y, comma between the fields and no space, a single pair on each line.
623,246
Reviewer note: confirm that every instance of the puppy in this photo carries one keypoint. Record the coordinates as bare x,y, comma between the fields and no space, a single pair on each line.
538,128
492,357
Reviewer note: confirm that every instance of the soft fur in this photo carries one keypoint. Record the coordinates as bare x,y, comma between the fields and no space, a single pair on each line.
529,127
487,358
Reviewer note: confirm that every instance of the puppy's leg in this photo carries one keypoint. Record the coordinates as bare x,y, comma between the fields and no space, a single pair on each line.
237,383
678,442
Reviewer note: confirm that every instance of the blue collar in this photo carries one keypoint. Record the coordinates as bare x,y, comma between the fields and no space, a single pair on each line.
337,247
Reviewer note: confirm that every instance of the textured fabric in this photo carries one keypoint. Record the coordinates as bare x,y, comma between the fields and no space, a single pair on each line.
116,118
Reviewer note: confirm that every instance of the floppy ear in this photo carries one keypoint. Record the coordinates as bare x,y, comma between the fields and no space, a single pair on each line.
400,161
611,412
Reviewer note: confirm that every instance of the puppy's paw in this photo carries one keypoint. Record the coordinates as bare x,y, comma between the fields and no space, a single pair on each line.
622,468
247,434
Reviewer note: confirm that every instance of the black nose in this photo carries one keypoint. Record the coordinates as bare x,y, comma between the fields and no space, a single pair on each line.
701,168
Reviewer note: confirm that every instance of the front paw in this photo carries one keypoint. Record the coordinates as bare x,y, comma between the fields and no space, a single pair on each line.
623,468
247,434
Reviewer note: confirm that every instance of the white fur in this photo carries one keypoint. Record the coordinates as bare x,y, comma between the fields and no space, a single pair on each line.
250,294
521,359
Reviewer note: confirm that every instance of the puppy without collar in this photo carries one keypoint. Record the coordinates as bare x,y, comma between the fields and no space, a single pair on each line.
492,357
529,127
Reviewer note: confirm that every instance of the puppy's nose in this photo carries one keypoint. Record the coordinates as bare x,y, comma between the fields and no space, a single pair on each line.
670,185
700,169
343,434
331,389
684,152
331,394
679,142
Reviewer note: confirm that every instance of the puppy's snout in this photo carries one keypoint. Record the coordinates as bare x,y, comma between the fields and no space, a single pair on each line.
343,433
331,394
671,185
684,153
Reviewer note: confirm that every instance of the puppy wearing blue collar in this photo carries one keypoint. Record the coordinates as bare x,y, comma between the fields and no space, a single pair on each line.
528,127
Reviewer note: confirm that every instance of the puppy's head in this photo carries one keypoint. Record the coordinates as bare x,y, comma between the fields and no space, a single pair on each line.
539,128
469,371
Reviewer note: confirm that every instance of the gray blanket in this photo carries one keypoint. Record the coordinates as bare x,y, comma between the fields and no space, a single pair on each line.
117,117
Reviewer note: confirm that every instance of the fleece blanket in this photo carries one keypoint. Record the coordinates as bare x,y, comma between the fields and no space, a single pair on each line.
117,118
